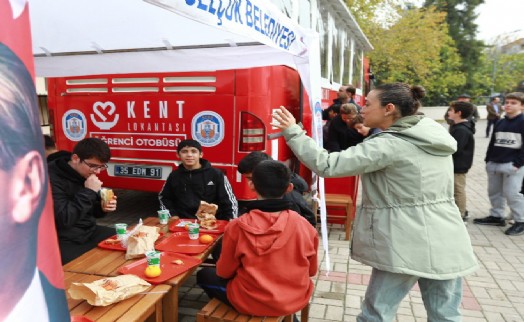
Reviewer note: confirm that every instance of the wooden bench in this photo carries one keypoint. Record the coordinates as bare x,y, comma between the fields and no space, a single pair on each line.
340,206
216,311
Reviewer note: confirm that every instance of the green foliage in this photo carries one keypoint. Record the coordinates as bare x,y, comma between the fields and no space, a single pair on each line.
460,16
481,84
371,14
417,50
509,70
435,47
497,73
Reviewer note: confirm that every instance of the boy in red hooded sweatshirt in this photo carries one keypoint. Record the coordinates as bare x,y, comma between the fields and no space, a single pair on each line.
268,254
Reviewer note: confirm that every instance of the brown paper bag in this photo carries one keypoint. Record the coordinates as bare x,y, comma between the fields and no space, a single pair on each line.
108,290
141,241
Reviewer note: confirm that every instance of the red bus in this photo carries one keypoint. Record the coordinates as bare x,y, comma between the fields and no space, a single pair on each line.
143,117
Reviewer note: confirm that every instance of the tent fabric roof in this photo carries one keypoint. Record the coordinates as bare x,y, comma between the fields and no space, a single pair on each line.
64,26
87,37
72,38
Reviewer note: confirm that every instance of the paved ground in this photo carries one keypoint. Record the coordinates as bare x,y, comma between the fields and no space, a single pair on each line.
493,293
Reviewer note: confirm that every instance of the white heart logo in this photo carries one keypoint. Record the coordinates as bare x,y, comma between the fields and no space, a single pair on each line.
103,110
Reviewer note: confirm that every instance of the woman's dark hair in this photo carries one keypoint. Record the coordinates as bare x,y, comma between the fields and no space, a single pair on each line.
406,98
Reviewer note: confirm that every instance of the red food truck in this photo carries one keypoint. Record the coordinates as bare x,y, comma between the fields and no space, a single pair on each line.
143,117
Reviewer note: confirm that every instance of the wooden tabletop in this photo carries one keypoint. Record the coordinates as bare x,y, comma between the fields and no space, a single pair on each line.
136,308
100,262
105,262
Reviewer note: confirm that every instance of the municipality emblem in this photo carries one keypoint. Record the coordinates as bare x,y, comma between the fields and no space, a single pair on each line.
207,128
74,125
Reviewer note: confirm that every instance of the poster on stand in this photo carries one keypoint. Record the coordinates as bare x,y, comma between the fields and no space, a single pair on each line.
32,283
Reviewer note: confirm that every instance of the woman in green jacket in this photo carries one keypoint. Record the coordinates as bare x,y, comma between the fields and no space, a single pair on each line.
408,228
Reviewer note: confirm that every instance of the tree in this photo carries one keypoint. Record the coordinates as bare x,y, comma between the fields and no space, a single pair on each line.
417,49
509,71
460,16
376,14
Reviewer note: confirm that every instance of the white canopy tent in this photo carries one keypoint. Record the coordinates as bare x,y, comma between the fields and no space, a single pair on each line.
89,37
72,38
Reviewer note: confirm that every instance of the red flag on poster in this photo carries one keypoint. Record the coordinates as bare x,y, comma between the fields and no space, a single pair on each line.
32,280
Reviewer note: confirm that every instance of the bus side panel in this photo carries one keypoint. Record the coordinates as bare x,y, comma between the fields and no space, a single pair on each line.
143,129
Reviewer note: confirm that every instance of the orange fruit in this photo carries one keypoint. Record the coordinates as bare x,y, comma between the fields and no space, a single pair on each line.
186,226
153,271
206,239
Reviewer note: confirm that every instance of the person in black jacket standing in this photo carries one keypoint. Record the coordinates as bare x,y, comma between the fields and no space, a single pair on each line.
194,181
462,131
76,195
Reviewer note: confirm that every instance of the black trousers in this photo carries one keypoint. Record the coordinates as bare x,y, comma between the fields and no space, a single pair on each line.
70,250
212,284
490,124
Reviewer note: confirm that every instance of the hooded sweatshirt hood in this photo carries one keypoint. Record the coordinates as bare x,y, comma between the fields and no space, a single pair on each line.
423,132
266,232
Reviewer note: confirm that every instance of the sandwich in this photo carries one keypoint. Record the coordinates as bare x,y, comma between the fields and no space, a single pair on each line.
106,195
208,221
206,215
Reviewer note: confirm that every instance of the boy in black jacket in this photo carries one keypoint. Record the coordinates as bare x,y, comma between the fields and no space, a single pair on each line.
195,180
505,167
462,130
77,204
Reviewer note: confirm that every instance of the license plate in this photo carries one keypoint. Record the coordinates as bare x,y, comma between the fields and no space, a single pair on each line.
138,171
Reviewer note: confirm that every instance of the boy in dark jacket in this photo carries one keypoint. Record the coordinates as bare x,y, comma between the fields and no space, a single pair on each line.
75,186
505,167
269,254
462,131
195,180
